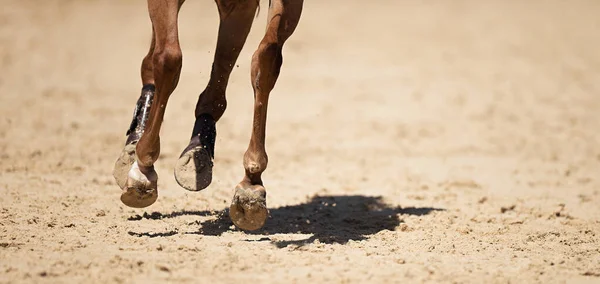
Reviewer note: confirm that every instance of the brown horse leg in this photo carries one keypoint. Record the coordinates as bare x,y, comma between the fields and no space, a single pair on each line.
248,209
140,188
140,116
193,170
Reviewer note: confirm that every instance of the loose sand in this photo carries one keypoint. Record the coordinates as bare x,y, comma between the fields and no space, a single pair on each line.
409,141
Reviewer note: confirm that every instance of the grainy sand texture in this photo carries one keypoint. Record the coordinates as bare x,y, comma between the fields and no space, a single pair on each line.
408,141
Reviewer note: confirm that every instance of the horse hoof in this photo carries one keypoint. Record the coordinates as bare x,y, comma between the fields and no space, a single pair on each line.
248,210
140,188
193,170
123,165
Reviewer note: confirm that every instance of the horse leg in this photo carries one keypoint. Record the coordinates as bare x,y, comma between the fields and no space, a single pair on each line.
193,170
248,209
138,123
140,189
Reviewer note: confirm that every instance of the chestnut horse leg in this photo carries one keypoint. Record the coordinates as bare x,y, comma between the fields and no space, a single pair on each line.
193,170
160,75
138,123
248,209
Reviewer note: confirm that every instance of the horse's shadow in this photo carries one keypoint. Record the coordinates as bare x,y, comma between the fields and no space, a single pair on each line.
329,219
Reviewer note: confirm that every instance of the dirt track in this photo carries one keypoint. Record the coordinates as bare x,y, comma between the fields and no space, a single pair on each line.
408,141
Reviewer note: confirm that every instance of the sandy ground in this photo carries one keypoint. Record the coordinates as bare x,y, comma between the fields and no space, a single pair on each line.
409,141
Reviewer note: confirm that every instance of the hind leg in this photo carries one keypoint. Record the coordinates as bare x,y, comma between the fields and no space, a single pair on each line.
193,170
248,209
160,74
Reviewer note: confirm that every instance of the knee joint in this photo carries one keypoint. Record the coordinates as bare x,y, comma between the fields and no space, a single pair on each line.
266,65
269,52
169,58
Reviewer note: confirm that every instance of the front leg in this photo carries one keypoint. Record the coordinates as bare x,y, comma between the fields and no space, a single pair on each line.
193,170
135,131
248,209
140,189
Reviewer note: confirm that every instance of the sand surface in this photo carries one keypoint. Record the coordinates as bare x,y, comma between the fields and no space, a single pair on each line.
408,141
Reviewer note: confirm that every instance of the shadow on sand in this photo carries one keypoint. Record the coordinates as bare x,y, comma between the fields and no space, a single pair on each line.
329,219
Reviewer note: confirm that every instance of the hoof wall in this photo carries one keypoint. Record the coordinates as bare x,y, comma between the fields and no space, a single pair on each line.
248,210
